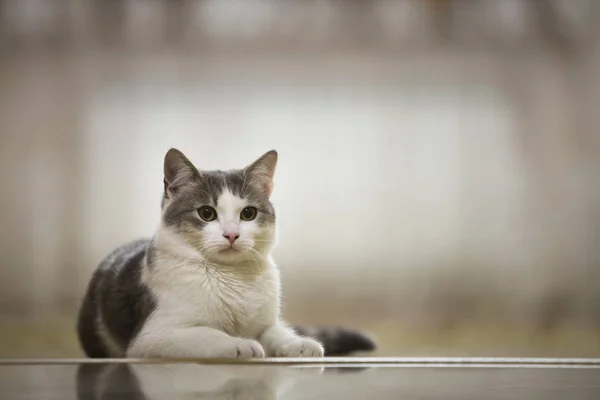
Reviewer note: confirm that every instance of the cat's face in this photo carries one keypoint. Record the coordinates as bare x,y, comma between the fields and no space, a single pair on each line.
225,215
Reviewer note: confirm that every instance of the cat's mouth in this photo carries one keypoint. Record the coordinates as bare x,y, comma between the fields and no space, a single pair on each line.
229,249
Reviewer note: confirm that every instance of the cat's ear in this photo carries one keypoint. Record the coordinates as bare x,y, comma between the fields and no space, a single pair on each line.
178,171
262,171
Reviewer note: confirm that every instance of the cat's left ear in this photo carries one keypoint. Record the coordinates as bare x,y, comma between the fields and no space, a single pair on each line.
262,171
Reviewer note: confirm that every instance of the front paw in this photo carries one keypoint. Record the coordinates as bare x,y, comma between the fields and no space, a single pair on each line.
300,347
246,348
243,348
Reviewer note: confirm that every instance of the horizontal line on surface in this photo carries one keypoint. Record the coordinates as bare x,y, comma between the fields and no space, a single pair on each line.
328,361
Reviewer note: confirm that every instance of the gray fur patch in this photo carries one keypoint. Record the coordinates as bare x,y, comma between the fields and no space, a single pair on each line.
123,301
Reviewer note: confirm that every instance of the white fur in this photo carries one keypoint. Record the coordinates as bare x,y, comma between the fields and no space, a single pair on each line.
214,304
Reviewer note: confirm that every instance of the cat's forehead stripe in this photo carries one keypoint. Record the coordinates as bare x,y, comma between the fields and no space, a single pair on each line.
218,182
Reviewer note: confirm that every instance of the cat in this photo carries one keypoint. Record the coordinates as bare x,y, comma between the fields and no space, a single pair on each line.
205,285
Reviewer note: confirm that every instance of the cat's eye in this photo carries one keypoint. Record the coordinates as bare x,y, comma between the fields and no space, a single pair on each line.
207,213
248,213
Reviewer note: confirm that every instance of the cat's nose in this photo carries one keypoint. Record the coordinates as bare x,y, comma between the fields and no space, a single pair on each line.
231,237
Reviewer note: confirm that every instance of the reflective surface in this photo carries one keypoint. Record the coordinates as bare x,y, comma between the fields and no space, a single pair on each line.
355,380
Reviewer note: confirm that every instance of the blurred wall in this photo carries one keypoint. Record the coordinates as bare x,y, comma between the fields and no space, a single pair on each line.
428,174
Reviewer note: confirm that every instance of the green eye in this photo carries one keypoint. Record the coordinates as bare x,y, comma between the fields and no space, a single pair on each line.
248,213
207,213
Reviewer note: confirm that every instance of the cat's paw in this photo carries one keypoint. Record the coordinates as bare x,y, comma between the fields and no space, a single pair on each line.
245,348
300,347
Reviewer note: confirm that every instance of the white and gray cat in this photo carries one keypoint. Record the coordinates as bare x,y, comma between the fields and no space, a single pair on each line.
205,285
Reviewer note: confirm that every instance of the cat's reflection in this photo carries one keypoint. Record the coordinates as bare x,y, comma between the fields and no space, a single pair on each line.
107,381
186,381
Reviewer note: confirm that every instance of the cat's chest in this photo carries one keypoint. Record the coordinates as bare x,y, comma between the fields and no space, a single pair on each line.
235,306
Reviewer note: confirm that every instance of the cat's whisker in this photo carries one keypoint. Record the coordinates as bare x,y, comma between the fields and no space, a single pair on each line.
257,253
256,263
261,257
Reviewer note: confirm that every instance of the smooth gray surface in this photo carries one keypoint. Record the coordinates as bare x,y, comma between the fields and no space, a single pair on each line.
393,380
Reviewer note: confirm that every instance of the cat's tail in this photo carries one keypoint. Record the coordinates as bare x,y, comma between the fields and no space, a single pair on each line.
338,341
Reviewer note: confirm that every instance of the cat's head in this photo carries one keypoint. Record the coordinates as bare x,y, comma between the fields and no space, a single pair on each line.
227,216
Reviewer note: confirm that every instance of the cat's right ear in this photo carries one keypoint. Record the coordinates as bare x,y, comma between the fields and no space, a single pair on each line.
178,172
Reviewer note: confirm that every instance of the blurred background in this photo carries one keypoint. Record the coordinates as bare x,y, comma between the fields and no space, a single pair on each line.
438,183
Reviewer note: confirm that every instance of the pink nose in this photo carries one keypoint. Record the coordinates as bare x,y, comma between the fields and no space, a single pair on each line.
231,237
